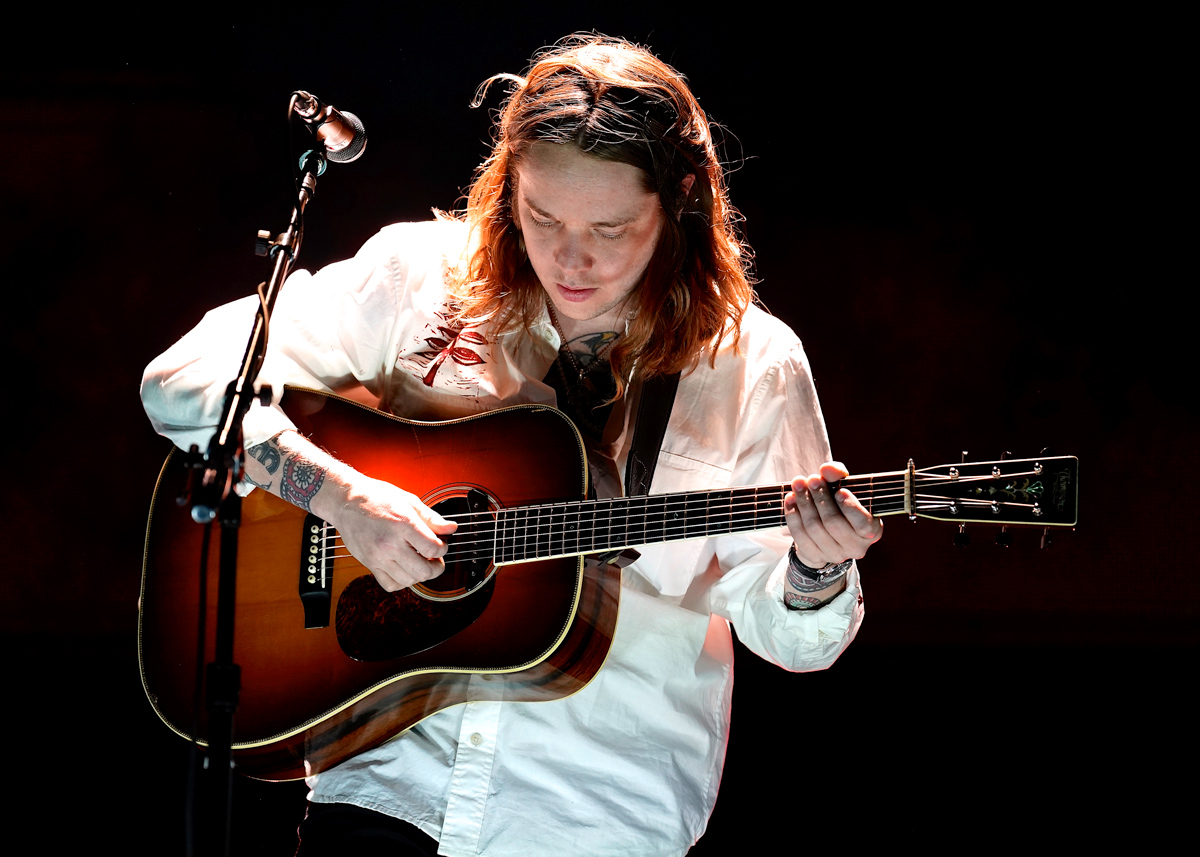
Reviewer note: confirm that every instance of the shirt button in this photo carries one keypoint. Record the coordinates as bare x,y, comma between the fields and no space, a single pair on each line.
476,738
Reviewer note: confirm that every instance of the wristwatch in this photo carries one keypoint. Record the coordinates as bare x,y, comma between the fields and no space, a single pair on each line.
821,576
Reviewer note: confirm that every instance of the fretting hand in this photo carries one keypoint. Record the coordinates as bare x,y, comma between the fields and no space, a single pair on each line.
828,527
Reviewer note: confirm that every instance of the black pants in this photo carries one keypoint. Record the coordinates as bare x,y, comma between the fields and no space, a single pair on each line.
341,828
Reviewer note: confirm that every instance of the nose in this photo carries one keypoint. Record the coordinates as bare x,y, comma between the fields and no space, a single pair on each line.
571,254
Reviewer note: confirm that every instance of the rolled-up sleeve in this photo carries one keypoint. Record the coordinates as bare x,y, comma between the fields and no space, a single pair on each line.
782,436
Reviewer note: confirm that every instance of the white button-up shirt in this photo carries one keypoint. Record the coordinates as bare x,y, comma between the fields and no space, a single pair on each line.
629,765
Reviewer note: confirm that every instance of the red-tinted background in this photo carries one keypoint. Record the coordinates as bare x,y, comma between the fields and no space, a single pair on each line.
969,222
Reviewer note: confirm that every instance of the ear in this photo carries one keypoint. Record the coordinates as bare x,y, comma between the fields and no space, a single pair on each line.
685,187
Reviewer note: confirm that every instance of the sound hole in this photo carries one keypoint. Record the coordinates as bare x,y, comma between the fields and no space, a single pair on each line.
469,556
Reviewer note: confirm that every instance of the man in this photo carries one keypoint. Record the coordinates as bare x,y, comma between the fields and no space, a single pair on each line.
597,251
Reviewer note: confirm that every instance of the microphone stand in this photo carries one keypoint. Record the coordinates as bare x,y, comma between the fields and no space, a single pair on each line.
212,496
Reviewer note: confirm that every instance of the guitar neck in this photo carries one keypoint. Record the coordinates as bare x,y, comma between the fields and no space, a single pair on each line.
551,530
1017,492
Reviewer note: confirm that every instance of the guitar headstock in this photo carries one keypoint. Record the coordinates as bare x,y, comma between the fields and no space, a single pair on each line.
1040,492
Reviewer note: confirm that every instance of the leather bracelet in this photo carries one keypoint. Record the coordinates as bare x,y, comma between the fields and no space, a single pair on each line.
823,576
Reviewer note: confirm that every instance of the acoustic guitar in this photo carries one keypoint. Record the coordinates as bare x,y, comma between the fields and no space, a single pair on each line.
333,665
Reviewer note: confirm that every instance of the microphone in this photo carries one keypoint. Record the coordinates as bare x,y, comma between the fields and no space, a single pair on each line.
340,131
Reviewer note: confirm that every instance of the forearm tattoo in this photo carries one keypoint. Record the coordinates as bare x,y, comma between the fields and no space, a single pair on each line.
301,481
798,593
267,454
265,487
803,593
800,602
301,478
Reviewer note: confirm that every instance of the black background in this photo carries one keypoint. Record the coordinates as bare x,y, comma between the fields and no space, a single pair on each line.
972,222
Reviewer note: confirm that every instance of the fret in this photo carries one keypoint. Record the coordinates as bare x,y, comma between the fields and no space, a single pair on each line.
570,529
618,518
552,529
543,529
695,514
674,517
742,509
504,549
498,535
770,506
601,521
654,524
525,530
635,521
629,516
718,512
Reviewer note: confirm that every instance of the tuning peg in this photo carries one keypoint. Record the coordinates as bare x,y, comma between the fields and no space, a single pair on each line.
962,538
1004,538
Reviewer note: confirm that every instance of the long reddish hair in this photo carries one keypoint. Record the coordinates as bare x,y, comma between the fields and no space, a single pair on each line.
617,102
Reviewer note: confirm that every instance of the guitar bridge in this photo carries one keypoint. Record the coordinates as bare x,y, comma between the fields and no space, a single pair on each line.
316,572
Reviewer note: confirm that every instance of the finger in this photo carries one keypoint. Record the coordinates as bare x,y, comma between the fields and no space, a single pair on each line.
824,504
833,471
840,507
849,535
806,549
807,524
424,540
865,524
436,522
861,520
405,571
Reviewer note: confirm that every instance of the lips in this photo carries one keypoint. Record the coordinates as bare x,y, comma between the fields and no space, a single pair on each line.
574,295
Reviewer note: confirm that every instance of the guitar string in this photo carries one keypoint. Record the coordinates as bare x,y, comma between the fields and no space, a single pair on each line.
519,540
524,548
612,512
516,523
666,504
739,497
660,505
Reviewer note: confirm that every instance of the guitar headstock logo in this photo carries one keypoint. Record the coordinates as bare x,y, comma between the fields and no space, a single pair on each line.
1062,489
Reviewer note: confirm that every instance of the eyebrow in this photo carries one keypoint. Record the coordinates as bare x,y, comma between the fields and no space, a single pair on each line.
604,224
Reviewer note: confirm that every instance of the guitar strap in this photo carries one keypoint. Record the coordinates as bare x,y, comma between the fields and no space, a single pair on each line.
650,426
654,411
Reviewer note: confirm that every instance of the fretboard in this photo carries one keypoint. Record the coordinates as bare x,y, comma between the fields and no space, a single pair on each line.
544,531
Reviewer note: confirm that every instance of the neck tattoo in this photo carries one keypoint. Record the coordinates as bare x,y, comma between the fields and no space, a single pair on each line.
587,385
585,353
